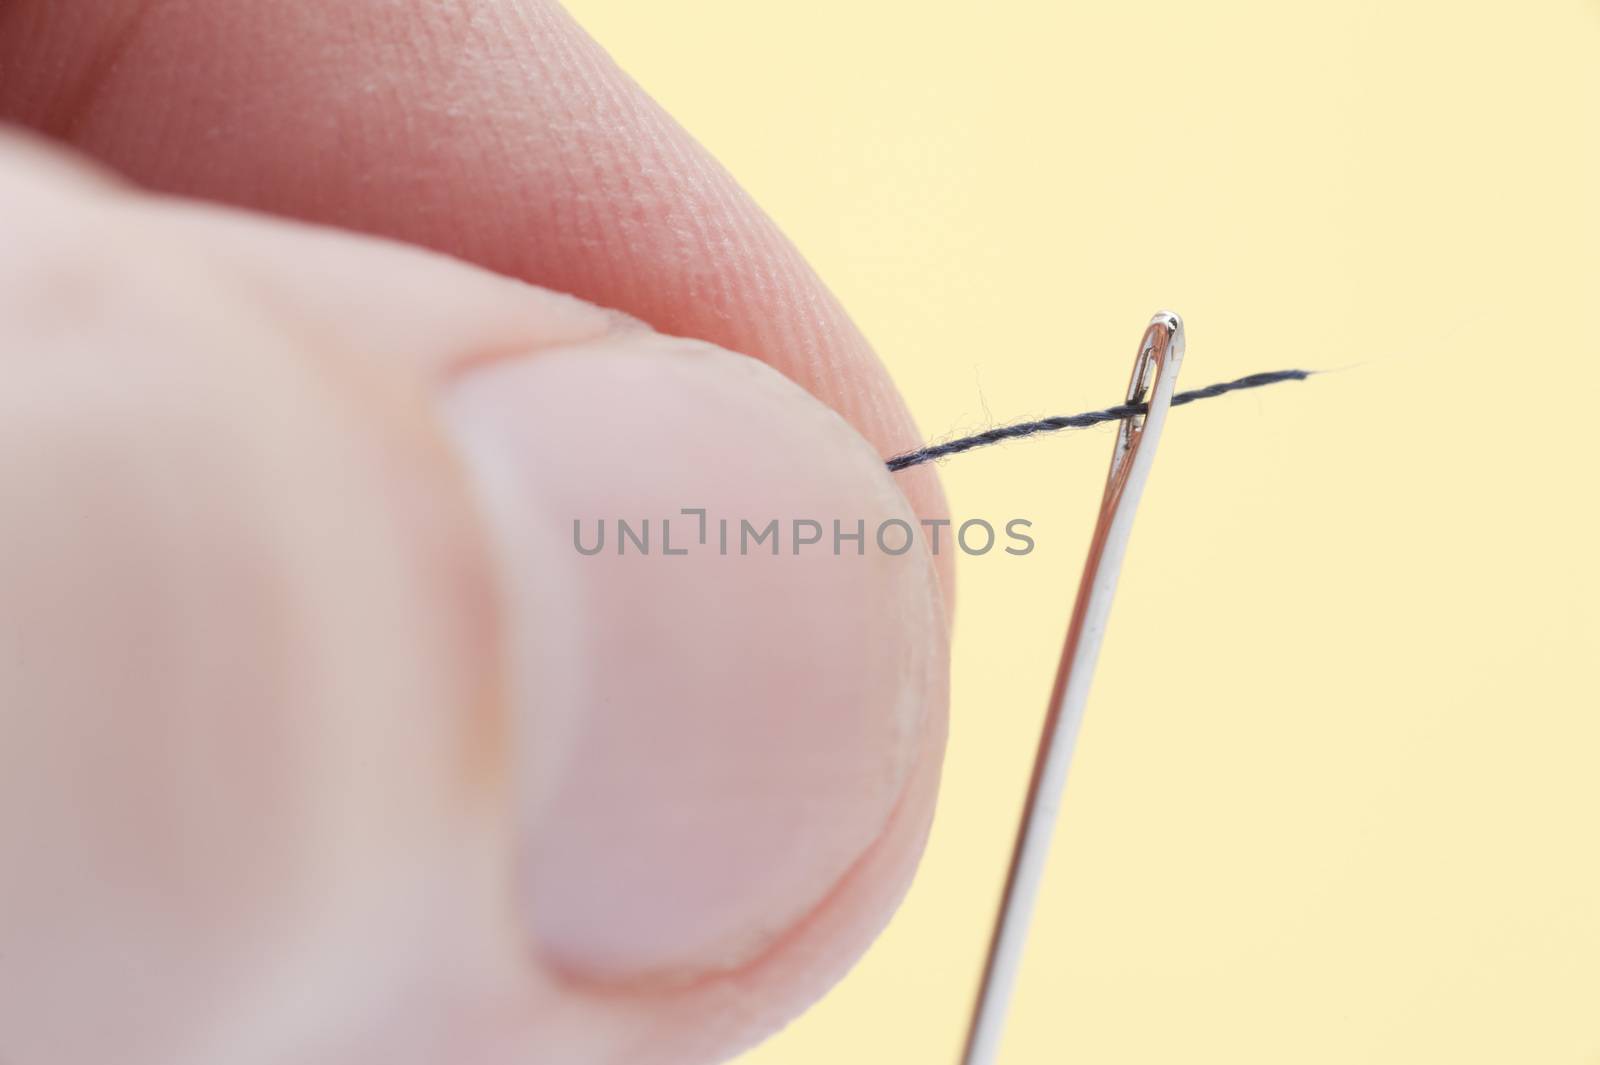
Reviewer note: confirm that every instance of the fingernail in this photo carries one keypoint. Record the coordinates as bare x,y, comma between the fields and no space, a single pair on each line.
709,734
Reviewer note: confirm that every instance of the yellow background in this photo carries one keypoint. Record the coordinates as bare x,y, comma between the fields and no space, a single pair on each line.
1338,794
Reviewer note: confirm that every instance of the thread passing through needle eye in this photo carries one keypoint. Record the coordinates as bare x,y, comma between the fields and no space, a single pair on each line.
1083,421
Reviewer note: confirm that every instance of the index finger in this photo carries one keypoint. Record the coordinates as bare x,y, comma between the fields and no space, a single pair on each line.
496,132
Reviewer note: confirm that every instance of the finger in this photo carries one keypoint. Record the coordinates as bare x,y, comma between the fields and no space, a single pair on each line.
496,132
313,714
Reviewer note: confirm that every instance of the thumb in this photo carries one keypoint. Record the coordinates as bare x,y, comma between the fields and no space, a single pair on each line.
316,709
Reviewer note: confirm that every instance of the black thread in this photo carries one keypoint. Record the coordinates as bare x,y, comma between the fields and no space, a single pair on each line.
1083,421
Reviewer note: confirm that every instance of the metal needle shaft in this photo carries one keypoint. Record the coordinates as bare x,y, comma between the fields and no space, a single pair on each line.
1155,371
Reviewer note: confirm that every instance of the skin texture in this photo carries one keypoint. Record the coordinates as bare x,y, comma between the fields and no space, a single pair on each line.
317,741
498,133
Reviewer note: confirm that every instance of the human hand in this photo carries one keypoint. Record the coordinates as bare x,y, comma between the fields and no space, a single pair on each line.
319,742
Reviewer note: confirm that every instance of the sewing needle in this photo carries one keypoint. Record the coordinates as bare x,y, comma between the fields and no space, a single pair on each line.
1155,370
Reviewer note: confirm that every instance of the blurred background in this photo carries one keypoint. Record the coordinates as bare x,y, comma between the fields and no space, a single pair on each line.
1338,793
